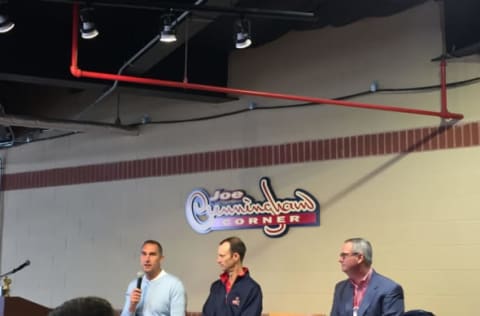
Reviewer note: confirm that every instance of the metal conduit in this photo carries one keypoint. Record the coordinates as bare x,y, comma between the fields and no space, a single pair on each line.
77,72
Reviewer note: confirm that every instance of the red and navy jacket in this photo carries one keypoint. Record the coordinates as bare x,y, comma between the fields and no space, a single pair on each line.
244,298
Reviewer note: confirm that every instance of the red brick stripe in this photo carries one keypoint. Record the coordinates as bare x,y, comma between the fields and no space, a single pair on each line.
392,142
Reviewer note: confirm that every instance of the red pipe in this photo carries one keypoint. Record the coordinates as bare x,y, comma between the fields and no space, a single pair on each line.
77,72
443,85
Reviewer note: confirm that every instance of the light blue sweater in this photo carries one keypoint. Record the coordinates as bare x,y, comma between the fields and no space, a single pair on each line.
162,296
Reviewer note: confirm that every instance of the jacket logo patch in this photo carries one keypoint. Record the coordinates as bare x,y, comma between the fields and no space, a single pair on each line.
236,301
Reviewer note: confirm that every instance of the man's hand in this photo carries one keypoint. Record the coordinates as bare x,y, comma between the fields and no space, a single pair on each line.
135,296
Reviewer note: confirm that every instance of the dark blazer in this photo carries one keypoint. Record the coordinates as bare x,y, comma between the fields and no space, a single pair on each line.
383,297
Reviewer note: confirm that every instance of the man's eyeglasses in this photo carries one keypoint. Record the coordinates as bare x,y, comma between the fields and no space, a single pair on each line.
343,255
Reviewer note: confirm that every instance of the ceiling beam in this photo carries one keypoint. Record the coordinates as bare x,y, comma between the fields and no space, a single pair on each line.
183,27
66,125
226,10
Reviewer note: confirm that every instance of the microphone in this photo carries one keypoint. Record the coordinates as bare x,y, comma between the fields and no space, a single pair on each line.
20,267
139,279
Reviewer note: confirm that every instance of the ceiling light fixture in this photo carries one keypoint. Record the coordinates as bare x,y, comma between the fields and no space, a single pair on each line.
87,24
6,24
167,34
243,35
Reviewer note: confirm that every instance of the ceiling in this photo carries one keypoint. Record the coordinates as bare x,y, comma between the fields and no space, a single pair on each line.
35,57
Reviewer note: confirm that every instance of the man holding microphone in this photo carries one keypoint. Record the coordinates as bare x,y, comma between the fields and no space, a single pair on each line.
156,293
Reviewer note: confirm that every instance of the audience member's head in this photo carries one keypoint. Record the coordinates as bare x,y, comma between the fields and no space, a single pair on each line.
84,306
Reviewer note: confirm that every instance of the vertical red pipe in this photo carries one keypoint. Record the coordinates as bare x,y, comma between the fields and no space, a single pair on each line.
443,85
74,63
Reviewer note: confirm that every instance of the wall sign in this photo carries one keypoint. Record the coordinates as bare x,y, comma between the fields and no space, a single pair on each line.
235,209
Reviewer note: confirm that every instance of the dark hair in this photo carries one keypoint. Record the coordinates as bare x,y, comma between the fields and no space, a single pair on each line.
236,245
151,241
84,306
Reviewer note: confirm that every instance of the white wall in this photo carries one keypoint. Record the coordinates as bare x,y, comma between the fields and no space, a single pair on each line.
419,210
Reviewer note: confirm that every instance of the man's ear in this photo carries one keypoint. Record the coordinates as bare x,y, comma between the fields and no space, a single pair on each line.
361,258
236,255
